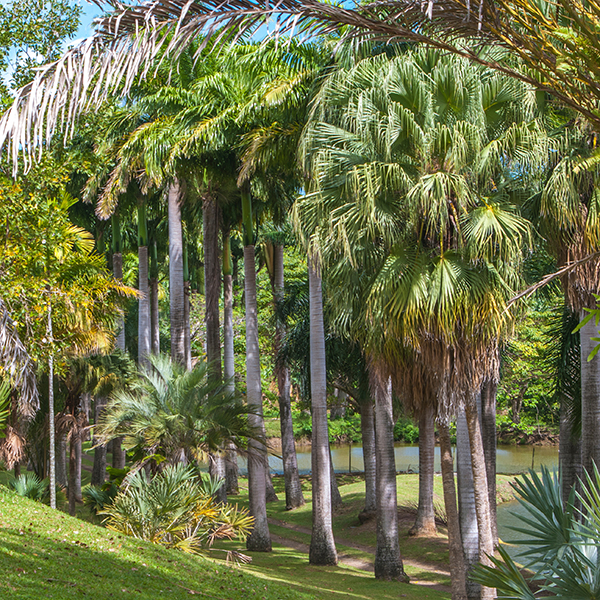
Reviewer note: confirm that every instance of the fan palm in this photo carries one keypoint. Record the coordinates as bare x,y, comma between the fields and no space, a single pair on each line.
175,413
412,194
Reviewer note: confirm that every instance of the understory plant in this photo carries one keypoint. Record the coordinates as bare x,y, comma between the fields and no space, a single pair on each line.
174,509
29,485
561,559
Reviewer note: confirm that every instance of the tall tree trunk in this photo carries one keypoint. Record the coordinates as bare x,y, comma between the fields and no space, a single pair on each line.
51,434
488,433
259,539
176,291
425,520
144,335
388,562
457,565
338,409
480,488
322,545
466,503
590,398
212,285
271,494
77,476
216,468
61,460
336,497
99,468
367,427
117,260
154,310
293,487
231,467
569,455
73,471
187,332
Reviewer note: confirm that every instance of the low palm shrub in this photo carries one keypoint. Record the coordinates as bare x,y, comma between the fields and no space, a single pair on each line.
562,558
29,485
173,509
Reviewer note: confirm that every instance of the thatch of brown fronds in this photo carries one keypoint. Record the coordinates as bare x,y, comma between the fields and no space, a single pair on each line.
12,447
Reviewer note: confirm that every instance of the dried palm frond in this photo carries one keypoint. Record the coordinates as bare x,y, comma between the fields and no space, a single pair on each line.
16,363
12,447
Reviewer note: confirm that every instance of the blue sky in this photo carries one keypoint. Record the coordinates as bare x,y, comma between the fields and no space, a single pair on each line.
90,11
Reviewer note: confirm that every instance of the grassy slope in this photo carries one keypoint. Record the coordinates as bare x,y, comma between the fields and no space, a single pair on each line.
47,554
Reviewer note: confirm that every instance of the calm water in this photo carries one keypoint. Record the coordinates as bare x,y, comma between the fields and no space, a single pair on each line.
510,459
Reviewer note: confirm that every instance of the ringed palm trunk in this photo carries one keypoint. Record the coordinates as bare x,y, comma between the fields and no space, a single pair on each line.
367,427
388,562
117,259
466,502
293,487
260,539
187,333
569,455
231,467
212,293
336,497
488,433
61,460
457,565
99,468
176,289
154,310
480,488
590,398
322,545
425,520
144,336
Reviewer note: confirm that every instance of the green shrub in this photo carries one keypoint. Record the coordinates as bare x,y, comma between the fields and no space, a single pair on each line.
29,485
174,510
406,431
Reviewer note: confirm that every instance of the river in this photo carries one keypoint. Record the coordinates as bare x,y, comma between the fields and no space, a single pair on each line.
346,457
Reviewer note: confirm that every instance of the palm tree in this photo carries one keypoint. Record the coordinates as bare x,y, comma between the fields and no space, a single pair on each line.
176,413
414,158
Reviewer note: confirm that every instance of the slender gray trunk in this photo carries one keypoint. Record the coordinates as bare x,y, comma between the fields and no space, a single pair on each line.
74,471
569,455
336,497
488,433
466,502
590,398
217,470
231,470
293,487
457,565
61,460
117,259
425,520
77,477
270,494
99,468
176,291
51,434
144,334
480,488
388,562
337,410
260,539
367,426
322,545
154,308
187,333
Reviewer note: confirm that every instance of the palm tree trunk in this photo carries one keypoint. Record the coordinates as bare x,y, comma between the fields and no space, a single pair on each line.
154,310
187,333
322,545
73,471
270,493
61,460
480,488
336,497
176,291
388,562
367,427
77,477
569,455
259,539
217,470
117,260
488,433
466,503
457,565
51,434
212,285
590,398
99,468
293,487
425,520
144,336
231,467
